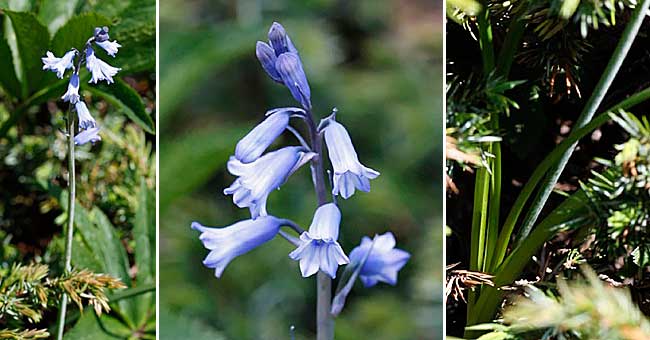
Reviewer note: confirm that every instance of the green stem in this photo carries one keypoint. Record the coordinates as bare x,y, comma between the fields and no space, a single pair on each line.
603,85
70,230
510,46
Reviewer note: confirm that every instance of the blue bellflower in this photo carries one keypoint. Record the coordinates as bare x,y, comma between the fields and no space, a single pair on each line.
72,94
349,173
109,46
99,69
58,65
86,121
227,243
384,260
319,248
262,136
256,180
89,135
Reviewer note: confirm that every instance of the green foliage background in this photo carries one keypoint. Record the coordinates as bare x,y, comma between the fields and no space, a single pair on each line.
379,64
115,209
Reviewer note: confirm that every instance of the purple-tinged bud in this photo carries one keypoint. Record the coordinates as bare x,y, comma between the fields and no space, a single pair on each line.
101,34
90,135
229,242
253,145
278,39
383,262
290,69
319,249
267,58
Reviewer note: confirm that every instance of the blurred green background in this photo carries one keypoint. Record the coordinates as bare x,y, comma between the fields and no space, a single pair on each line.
379,63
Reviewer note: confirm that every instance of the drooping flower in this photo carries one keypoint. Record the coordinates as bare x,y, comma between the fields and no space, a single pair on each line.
349,173
72,94
90,135
99,69
383,262
229,242
290,69
86,121
319,248
58,65
267,58
262,136
109,46
256,180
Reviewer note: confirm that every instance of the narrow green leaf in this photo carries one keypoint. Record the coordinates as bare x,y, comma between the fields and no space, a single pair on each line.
143,230
32,39
8,79
126,100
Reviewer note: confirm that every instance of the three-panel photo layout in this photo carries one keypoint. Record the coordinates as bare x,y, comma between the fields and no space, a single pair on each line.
332,169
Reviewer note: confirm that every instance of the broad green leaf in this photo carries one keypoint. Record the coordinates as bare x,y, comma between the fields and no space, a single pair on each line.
32,41
124,98
8,78
55,13
76,32
91,327
202,151
135,30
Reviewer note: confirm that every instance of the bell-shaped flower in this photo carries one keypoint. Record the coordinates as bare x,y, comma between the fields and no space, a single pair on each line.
383,262
58,65
267,58
72,94
99,69
229,242
290,69
349,173
109,46
262,136
319,249
86,121
90,135
278,39
256,180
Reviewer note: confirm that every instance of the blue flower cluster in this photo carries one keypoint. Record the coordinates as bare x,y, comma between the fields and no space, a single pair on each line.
99,70
259,172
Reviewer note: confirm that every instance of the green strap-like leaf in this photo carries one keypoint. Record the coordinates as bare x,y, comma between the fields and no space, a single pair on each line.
32,40
126,100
